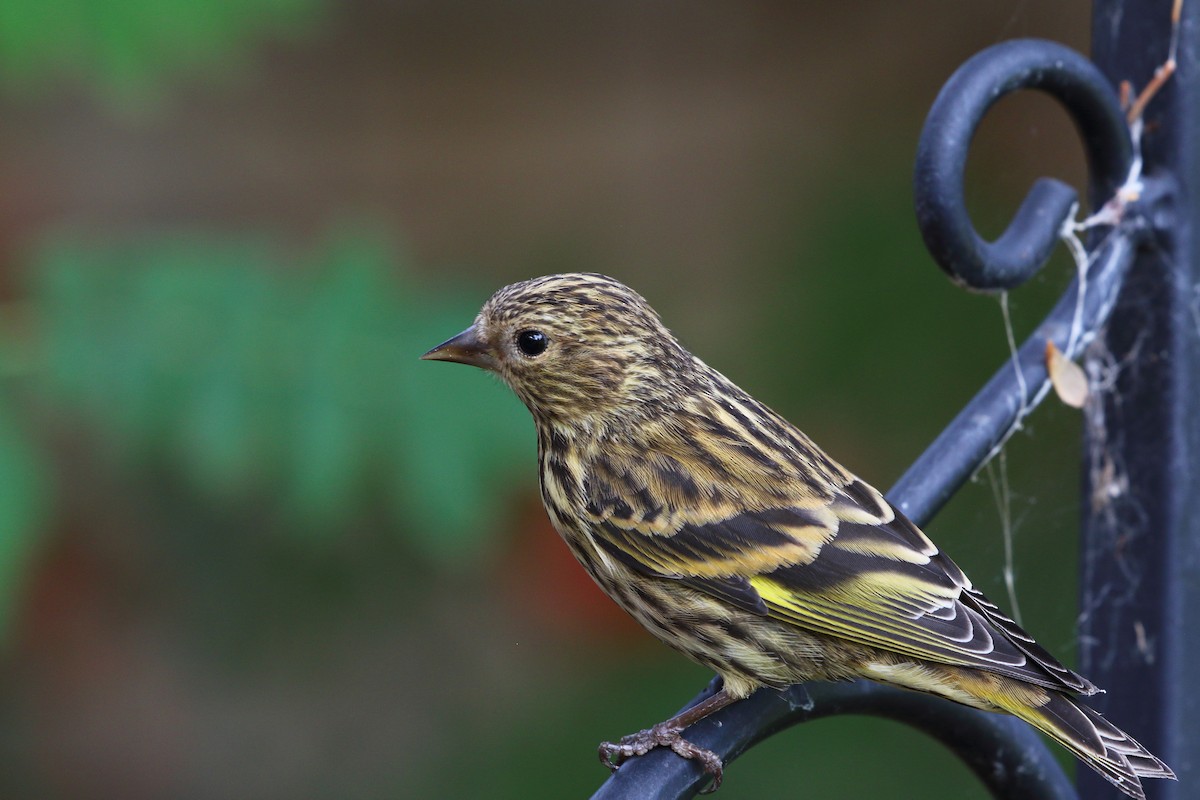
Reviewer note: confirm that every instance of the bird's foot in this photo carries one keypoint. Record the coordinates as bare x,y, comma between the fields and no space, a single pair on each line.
664,734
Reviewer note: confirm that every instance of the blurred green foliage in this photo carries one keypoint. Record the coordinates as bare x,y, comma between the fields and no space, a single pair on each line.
295,389
126,47
22,508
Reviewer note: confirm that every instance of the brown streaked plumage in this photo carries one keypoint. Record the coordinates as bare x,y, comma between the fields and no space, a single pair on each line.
729,535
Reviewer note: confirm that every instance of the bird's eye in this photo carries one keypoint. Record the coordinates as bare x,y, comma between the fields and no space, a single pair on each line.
532,343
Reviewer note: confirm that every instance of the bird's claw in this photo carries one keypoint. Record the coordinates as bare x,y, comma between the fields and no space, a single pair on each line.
642,742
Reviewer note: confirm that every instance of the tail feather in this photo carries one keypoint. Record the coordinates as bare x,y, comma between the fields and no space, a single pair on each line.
1097,742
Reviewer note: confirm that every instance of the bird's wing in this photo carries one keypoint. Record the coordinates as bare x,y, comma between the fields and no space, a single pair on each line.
853,568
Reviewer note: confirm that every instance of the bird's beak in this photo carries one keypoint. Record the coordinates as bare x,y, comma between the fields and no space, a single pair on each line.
466,348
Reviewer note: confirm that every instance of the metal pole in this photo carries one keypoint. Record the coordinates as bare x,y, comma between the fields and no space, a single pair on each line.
1140,561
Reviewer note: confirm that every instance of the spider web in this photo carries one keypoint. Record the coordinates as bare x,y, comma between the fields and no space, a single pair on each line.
1107,476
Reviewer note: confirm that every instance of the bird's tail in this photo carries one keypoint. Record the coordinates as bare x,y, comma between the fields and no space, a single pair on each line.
1097,742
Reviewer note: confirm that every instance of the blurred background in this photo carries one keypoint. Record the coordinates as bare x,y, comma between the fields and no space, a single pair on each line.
250,547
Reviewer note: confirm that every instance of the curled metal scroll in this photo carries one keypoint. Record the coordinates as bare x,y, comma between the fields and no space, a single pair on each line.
1007,755
942,160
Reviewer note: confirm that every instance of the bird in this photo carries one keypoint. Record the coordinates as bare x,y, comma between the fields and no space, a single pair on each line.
734,539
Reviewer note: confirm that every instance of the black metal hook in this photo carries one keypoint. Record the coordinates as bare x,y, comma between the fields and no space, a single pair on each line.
946,138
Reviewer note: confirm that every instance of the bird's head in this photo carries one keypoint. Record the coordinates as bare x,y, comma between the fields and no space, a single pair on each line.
580,349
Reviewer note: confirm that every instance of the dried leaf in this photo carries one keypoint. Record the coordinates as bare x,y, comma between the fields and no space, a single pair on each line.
1069,381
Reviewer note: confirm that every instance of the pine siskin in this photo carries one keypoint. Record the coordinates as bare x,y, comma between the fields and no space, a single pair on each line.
729,535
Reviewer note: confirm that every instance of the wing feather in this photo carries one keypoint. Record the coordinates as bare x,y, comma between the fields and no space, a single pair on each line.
856,569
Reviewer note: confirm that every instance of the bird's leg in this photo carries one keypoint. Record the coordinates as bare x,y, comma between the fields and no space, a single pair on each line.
667,734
